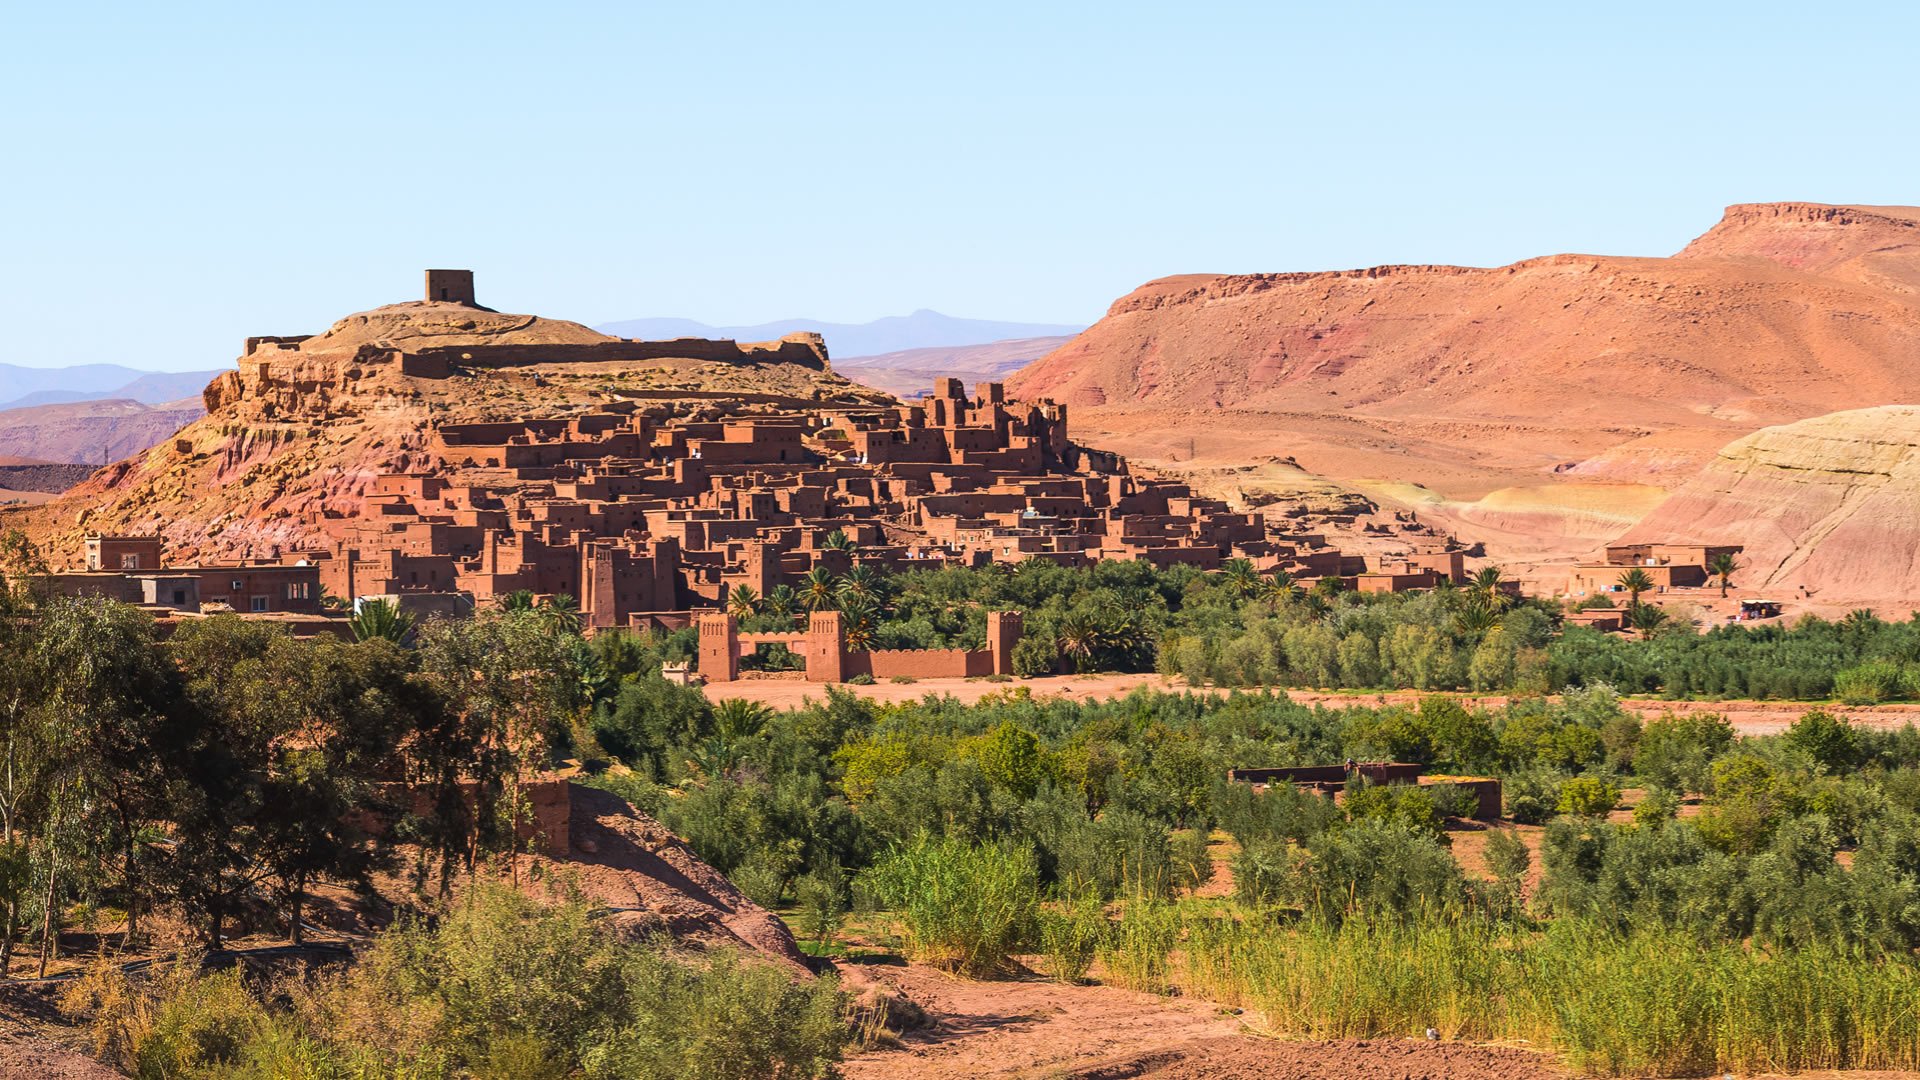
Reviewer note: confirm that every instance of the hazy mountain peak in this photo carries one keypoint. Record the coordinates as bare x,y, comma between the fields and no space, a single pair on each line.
922,329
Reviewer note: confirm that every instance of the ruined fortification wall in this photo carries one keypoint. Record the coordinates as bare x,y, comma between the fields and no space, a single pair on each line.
805,350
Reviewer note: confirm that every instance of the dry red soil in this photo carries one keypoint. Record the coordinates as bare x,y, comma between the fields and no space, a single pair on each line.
1031,1027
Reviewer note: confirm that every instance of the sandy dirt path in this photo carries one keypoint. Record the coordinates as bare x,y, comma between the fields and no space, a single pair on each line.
1034,1028
1748,717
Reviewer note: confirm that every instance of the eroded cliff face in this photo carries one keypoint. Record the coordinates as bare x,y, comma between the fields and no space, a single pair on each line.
1872,244
1831,503
1778,313
297,435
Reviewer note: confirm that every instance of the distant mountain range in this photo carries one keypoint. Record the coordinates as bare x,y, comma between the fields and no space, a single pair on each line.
92,432
910,372
25,387
923,329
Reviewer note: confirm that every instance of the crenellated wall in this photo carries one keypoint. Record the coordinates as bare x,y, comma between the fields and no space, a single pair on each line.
823,644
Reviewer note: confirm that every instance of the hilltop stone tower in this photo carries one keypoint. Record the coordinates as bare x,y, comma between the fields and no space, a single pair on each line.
451,287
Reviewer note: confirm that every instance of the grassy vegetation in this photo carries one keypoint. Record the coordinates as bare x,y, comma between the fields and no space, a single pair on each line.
1648,1002
500,988
232,763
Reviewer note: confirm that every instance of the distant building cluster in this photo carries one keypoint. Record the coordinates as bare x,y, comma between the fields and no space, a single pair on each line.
652,508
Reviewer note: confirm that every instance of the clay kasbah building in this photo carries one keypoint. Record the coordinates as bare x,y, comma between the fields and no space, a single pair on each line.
652,508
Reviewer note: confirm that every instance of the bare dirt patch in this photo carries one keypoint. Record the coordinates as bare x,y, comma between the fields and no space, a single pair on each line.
27,1055
1027,1027
1033,1028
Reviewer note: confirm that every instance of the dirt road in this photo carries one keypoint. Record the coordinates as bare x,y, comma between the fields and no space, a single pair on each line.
1748,717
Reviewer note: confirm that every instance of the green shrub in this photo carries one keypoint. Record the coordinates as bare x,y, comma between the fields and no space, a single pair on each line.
1263,873
1192,862
1122,853
1375,869
1584,796
1828,739
1868,684
1070,935
1407,806
1508,856
862,679
1135,953
1656,806
1453,800
1035,654
1677,752
1532,797
822,896
965,908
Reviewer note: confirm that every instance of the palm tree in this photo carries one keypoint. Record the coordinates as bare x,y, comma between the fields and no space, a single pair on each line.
1478,617
1646,618
1124,634
1722,566
838,540
517,600
738,718
1314,601
782,601
563,613
734,720
1240,577
1079,638
381,619
743,602
1278,587
859,619
330,602
819,589
1484,590
1635,581
864,582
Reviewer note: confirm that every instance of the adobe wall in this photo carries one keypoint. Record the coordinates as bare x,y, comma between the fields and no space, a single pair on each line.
805,350
919,663
823,644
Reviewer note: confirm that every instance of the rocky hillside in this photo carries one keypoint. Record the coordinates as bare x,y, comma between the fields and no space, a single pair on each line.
299,432
1527,406
1831,503
1782,311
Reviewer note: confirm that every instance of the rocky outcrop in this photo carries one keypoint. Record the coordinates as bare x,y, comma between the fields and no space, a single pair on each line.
1830,503
654,883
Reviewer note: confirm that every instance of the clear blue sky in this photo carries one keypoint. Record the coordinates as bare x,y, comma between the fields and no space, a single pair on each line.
177,176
